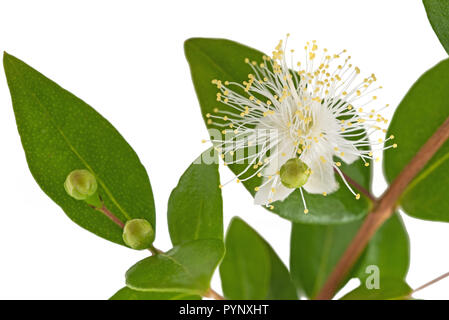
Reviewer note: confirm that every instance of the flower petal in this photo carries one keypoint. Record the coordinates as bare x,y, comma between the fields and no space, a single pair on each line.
265,193
322,178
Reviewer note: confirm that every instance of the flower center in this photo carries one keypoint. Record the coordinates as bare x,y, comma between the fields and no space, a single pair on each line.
294,173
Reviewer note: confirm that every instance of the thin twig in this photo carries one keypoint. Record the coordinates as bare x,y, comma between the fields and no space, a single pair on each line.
383,209
429,283
111,216
357,186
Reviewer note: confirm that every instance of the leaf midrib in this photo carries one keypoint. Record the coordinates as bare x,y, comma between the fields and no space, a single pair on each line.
425,173
324,258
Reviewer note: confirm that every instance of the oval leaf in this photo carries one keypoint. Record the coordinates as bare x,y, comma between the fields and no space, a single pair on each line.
130,294
424,108
316,249
195,207
186,268
438,14
224,59
251,270
61,133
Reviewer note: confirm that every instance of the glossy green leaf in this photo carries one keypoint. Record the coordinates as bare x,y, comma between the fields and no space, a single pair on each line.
251,270
195,207
389,250
438,14
186,268
316,249
61,133
224,59
130,294
389,289
424,108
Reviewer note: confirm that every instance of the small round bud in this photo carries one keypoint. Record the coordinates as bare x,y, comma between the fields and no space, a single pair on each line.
80,184
294,173
138,234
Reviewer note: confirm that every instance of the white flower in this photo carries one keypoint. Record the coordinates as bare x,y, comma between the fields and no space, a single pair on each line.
315,113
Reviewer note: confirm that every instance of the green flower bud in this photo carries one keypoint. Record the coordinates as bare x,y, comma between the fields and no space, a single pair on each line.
138,234
294,173
81,184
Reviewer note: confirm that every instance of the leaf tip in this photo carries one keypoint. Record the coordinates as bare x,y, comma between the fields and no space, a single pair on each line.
189,43
6,55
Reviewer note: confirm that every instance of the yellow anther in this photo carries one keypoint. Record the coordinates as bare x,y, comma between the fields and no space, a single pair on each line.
357,196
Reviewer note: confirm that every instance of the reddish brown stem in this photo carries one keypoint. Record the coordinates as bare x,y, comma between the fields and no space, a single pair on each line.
429,283
357,186
383,209
111,216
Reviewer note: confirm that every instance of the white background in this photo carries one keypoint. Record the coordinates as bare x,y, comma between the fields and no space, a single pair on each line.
126,59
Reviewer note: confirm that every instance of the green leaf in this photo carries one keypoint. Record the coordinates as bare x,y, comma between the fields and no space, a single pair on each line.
61,133
316,249
251,270
186,268
438,14
424,108
195,207
224,59
390,289
130,294
389,250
